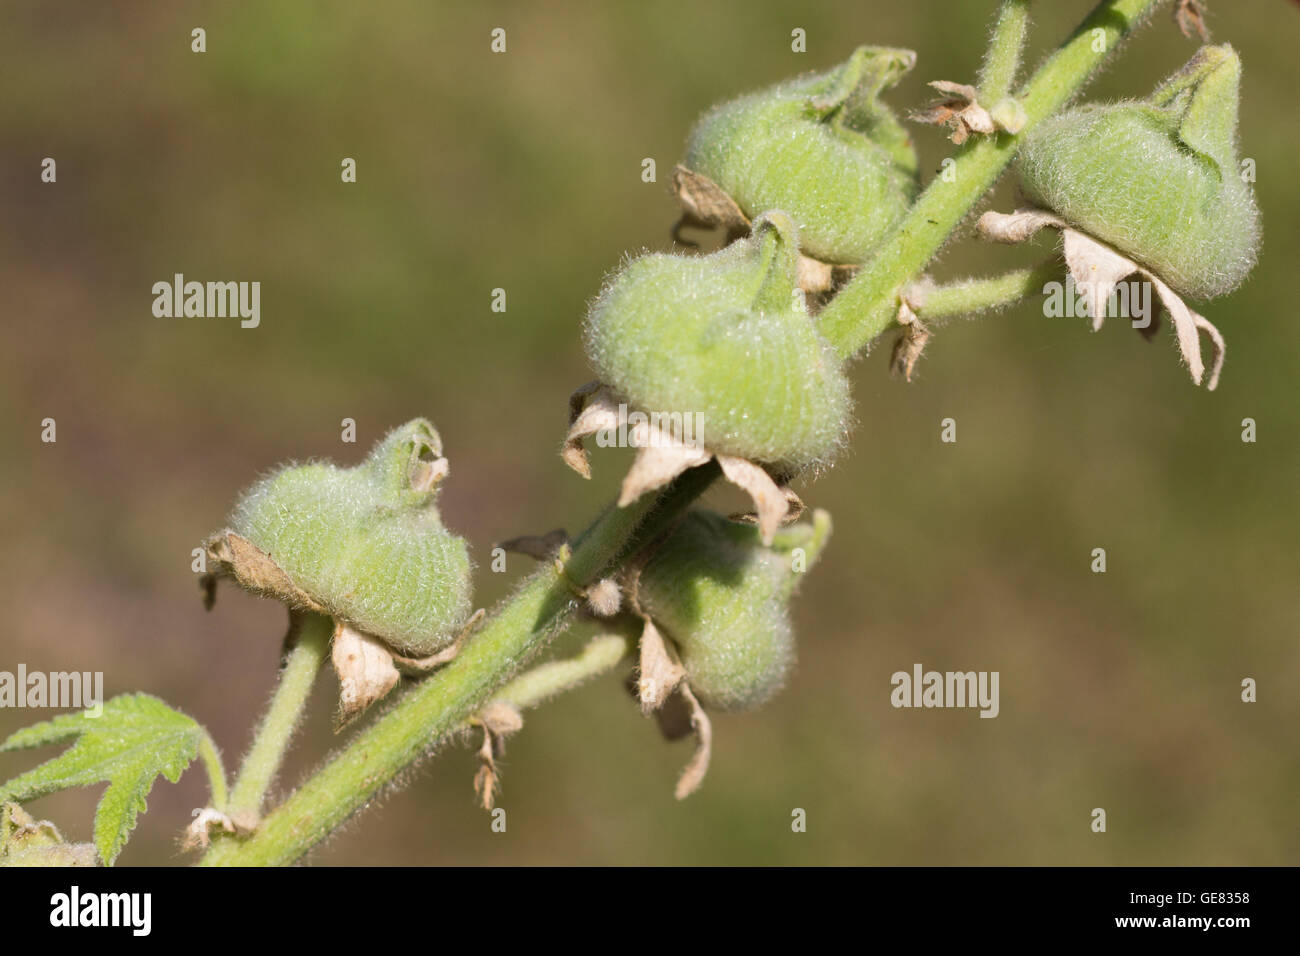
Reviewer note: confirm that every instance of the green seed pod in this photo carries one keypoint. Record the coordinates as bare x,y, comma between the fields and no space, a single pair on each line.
821,147
723,598
366,544
1157,179
725,338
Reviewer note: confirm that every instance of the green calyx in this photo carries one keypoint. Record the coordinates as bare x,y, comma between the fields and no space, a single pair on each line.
821,147
1157,179
723,598
725,338
366,544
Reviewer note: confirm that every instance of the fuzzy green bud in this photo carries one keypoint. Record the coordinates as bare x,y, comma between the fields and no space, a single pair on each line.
367,543
723,598
1157,179
726,338
821,147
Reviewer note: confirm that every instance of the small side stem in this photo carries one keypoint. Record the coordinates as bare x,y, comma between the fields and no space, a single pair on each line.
211,758
1002,59
287,702
973,296
602,653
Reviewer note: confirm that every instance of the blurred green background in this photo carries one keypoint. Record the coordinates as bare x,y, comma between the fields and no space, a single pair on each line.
522,171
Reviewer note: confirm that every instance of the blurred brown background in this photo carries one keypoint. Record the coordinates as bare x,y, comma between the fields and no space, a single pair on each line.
522,171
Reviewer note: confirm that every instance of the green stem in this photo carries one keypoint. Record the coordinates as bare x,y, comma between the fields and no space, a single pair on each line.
211,758
1003,57
867,305
602,653
260,766
434,707
973,296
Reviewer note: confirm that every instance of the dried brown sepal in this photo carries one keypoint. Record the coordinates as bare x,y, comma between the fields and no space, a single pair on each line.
770,501
235,557
365,670
1190,17
705,205
674,718
658,462
498,720
591,408
814,277
662,456
961,111
914,337
422,665
537,546
795,508
695,770
198,835
1097,268
425,475
908,349
659,672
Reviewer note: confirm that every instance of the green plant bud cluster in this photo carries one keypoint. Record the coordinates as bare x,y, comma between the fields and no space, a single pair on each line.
1157,179
723,598
726,338
823,148
367,543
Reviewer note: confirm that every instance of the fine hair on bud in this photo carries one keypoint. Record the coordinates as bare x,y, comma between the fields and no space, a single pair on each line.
367,543
1158,179
723,599
723,338
823,148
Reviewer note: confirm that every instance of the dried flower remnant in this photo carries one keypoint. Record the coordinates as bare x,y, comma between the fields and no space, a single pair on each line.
1097,269
498,720
1190,17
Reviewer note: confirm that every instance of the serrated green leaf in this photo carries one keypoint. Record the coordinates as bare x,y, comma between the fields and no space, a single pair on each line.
136,739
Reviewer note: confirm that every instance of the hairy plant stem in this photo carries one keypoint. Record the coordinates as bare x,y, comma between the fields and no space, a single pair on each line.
211,758
544,604
1003,57
970,297
435,707
601,654
309,648
867,305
